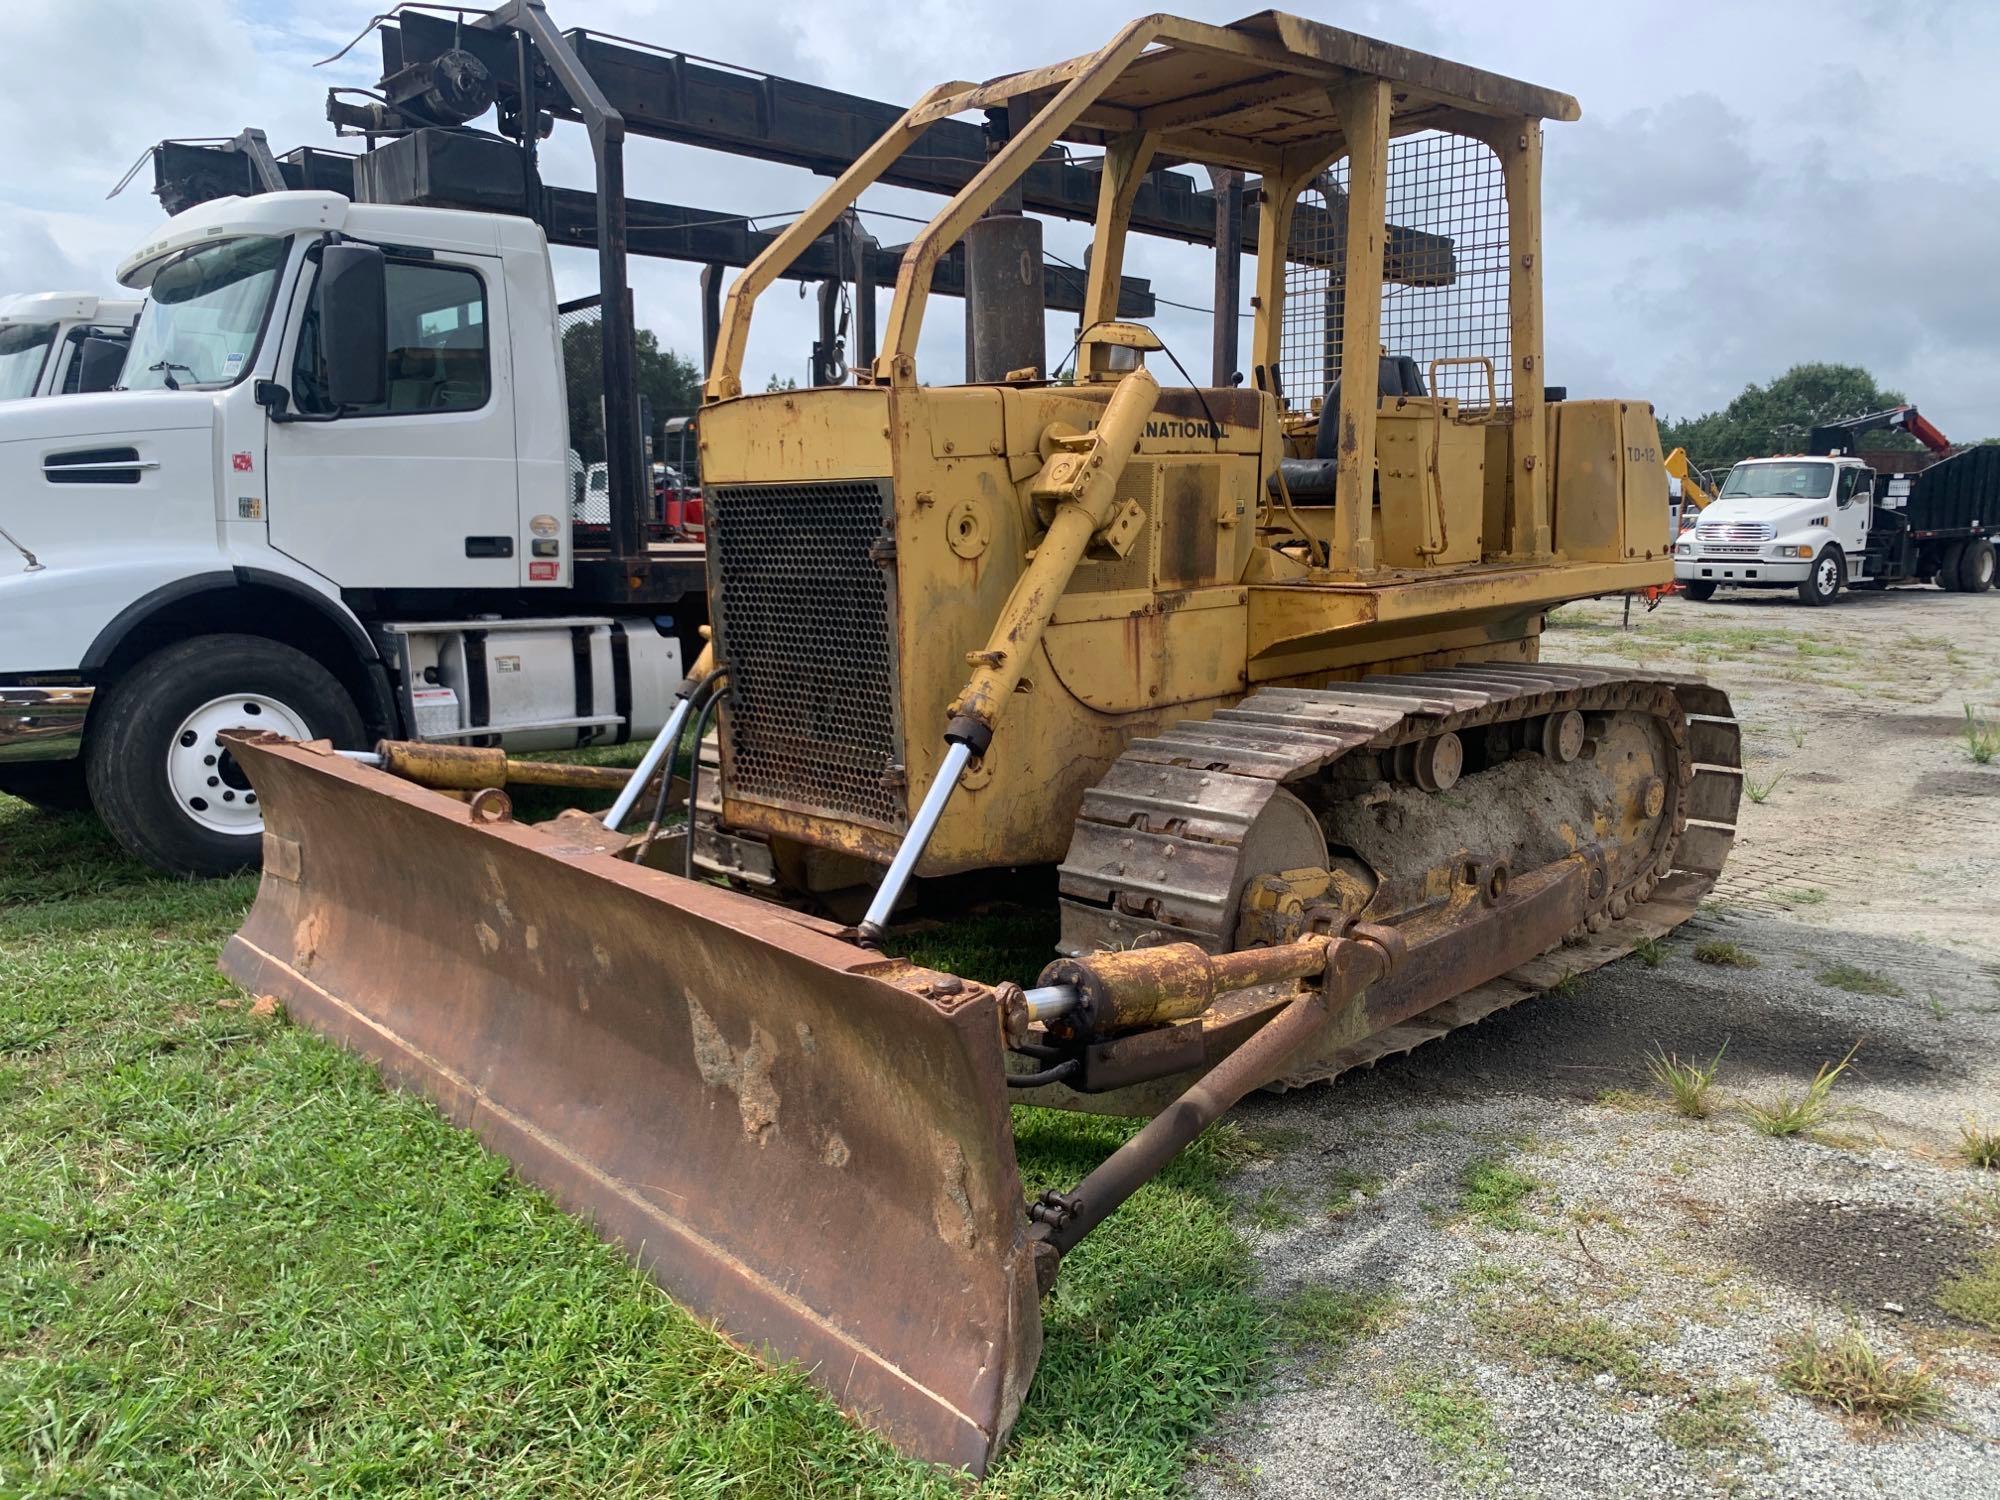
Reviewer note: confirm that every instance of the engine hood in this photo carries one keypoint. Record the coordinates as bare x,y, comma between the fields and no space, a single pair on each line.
1785,514
105,414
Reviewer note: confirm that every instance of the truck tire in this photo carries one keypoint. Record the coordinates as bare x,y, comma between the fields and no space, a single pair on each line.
1701,590
1948,561
1975,567
159,775
52,785
1822,584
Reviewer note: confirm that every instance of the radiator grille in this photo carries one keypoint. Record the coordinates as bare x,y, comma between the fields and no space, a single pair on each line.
1735,531
804,619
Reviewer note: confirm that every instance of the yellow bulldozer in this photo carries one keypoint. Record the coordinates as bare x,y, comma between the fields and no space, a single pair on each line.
1257,668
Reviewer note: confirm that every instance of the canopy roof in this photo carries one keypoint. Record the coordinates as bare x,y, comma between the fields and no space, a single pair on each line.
1238,95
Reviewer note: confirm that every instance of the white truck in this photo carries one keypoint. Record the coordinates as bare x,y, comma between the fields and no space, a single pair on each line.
1820,523
59,343
331,498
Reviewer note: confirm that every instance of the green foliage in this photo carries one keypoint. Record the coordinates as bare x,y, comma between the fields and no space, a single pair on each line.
233,1264
1846,1372
670,383
1688,1083
1974,1295
1776,418
1491,1193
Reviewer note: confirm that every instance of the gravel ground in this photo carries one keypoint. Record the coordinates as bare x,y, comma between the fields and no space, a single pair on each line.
1618,1330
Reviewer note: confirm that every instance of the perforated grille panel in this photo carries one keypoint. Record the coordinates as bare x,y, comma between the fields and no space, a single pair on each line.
804,617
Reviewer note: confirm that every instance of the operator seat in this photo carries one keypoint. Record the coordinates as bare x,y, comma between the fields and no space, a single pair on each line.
1313,478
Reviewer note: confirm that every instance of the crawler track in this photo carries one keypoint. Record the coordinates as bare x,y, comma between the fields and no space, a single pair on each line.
1159,844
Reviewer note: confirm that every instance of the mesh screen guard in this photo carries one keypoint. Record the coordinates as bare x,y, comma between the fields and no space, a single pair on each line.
1445,288
805,617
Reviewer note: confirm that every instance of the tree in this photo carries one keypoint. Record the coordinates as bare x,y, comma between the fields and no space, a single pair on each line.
1777,418
670,383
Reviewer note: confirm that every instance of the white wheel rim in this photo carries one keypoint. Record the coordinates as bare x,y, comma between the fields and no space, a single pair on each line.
207,785
1829,575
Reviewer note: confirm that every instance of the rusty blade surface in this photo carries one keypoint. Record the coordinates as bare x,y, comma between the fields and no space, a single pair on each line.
788,1132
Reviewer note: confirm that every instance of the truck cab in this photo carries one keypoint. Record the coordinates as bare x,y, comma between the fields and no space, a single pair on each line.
60,343
331,497
1795,522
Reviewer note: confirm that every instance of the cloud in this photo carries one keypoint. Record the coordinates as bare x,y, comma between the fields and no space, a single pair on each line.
1749,187
1688,155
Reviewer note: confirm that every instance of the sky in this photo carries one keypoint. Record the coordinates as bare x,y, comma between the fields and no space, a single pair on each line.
1751,185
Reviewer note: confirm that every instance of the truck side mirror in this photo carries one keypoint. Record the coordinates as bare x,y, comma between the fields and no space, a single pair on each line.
99,363
354,324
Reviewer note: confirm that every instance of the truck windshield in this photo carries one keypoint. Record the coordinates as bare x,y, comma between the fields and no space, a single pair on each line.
205,314
1778,482
23,349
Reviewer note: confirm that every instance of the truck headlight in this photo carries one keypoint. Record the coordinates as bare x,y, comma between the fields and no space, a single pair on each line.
1683,549
1790,551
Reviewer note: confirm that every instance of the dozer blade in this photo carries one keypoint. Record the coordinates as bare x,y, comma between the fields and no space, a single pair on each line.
801,1140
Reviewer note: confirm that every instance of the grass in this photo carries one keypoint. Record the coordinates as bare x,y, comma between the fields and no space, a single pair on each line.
1718,1419
1348,1190
1974,1295
1847,1373
1320,1322
1791,1114
1724,953
232,1264
1492,1193
1650,951
1760,791
1858,981
1273,1209
1454,1421
1807,895
1584,1343
1687,1083
1979,1145
1982,737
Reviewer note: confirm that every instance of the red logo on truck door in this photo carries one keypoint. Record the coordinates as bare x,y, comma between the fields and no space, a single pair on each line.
242,463
541,572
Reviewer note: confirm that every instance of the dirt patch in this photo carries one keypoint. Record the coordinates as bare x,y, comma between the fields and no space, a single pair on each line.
1958,784
1860,1256
1915,726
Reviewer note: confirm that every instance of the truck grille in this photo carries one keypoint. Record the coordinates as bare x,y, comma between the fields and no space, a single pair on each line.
1735,531
804,620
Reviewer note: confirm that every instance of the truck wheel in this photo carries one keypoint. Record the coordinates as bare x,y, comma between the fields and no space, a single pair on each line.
1701,590
52,785
1975,567
1948,561
159,775
1822,584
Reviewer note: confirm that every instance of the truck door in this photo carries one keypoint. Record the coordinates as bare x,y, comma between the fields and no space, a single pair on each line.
420,491
1850,516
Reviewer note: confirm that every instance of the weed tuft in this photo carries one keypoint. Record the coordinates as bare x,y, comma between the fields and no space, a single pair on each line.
1717,1419
1273,1209
1587,1344
1724,953
1979,1145
1688,1083
1491,1193
1348,1190
1454,1421
1858,981
1805,895
1982,737
1760,791
1324,1320
1974,1295
1650,951
1846,1372
1791,1114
